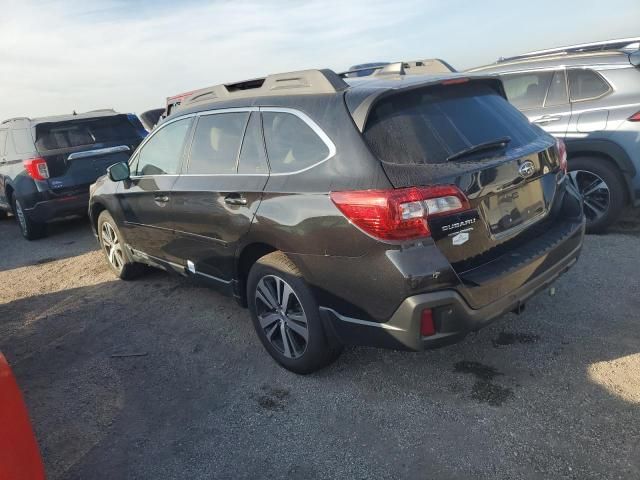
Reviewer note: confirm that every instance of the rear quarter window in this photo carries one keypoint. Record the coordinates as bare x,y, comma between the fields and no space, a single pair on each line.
292,144
426,126
586,85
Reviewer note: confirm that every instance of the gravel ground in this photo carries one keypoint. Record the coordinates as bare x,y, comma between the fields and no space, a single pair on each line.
552,393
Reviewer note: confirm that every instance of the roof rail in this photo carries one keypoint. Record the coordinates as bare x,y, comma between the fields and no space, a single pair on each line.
15,119
413,67
97,110
301,82
624,44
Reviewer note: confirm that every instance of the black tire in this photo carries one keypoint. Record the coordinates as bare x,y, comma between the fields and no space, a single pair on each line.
115,253
317,351
3,214
584,171
30,230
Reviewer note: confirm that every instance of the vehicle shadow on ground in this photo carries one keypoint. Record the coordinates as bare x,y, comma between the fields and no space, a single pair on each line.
161,378
67,239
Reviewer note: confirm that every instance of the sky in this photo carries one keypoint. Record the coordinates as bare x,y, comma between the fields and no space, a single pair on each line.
59,56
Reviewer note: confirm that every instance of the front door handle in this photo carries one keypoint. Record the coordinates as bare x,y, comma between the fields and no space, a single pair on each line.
235,199
161,198
546,119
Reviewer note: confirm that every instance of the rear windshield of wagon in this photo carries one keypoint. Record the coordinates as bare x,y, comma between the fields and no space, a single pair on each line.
84,132
428,125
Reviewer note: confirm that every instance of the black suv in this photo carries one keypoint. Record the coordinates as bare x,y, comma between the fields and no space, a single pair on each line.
398,211
47,164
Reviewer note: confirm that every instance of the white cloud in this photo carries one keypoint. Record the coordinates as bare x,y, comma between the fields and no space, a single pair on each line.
59,59
61,55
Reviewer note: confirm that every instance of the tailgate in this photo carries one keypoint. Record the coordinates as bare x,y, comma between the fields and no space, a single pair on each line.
448,135
78,151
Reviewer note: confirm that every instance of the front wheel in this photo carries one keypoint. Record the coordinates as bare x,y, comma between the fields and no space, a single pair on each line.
602,191
114,250
286,316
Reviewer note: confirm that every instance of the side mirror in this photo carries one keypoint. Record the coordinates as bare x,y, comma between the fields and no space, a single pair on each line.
118,172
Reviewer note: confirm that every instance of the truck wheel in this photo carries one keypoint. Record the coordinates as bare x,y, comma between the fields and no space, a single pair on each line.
602,190
30,230
286,316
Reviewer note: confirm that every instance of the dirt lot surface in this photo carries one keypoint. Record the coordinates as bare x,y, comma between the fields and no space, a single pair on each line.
552,393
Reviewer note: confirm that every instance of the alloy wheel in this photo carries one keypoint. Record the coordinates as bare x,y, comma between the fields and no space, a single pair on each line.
281,316
112,246
594,191
21,219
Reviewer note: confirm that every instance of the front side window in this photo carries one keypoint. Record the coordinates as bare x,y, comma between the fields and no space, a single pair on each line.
216,143
586,85
292,145
527,90
161,155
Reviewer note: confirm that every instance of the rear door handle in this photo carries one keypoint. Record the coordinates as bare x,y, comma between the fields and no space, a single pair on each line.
161,198
547,119
235,199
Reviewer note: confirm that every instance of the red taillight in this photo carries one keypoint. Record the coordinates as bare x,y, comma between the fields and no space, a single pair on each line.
37,168
635,117
399,214
562,155
427,325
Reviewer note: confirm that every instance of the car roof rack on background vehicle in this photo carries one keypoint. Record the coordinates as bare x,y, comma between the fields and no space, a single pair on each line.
300,83
622,44
15,119
414,67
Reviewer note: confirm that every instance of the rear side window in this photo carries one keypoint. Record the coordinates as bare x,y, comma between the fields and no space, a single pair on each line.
586,85
252,156
527,90
427,126
163,151
216,143
292,144
85,132
557,94
3,141
22,140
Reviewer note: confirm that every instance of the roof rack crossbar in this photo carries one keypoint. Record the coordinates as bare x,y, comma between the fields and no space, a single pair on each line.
303,82
623,44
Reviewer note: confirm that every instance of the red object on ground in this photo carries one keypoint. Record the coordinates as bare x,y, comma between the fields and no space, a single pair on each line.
19,454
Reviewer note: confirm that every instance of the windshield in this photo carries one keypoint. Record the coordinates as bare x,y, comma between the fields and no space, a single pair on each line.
430,125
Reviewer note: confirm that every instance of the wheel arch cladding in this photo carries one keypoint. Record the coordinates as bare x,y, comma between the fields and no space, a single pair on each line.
249,255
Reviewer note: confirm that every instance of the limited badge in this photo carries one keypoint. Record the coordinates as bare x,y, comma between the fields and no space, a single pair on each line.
460,238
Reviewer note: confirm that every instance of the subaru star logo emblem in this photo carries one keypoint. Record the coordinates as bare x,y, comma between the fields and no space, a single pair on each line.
526,169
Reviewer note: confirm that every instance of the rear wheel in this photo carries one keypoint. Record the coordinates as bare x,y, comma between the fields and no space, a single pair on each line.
113,248
286,316
601,189
30,230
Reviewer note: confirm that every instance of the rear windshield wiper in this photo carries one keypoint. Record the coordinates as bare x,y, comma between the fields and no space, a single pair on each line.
490,145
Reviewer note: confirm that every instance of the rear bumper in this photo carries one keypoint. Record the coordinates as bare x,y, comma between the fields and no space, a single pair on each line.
59,208
453,316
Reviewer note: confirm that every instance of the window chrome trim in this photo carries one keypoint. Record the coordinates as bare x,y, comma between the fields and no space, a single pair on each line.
595,72
311,124
99,151
301,115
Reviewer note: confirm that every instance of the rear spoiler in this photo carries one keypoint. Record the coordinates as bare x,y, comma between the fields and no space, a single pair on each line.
360,113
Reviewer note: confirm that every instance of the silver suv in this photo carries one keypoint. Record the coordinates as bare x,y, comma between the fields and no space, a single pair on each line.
588,95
